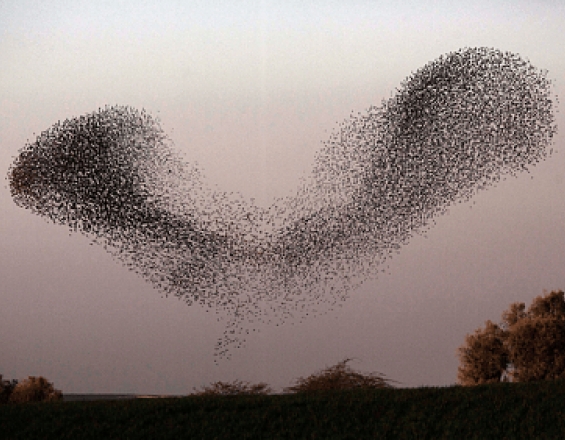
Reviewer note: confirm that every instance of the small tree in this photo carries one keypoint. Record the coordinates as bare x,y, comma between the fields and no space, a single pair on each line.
6,389
338,377
528,346
35,389
233,389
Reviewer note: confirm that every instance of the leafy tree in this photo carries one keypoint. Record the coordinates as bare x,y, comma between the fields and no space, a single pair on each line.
35,389
536,340
6,388
484,358
526,347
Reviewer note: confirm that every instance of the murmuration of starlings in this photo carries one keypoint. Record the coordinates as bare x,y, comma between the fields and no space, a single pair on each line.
456,126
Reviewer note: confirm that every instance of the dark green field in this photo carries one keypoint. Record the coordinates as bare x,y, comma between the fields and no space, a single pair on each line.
500,411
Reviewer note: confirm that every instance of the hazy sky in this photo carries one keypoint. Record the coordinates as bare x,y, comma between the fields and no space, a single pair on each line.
250,90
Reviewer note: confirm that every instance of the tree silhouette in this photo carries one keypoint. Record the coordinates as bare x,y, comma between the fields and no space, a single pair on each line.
525,347
339,377
6,388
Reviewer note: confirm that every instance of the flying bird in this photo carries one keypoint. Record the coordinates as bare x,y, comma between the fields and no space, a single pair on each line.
453,127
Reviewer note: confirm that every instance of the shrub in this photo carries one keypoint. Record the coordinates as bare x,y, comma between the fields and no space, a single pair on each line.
35,389
338,377
233,389
6,388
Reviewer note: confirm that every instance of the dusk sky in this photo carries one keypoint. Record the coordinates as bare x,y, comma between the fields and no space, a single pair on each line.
249,91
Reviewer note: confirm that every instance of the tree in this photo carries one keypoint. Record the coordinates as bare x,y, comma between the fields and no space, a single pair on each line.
35,389
526,347
536,340
6,388
484,358
338,377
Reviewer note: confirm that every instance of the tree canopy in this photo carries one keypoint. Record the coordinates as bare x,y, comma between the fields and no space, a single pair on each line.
524,347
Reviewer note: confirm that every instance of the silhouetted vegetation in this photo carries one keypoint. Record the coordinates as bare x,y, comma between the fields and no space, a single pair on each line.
338,377
32,389
338,403
502,410
235,388
6,389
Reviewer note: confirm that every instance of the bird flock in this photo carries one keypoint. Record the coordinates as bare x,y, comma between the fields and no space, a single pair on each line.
455,126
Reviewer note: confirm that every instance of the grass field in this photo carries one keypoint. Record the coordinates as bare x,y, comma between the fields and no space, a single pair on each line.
498,411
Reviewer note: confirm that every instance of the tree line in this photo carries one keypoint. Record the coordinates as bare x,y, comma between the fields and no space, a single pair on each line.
526,346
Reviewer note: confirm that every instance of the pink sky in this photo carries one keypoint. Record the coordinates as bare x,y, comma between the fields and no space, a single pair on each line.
250,92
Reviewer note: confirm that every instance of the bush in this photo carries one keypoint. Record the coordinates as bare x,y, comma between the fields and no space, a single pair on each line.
35,389
234,389
338,377
6,388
